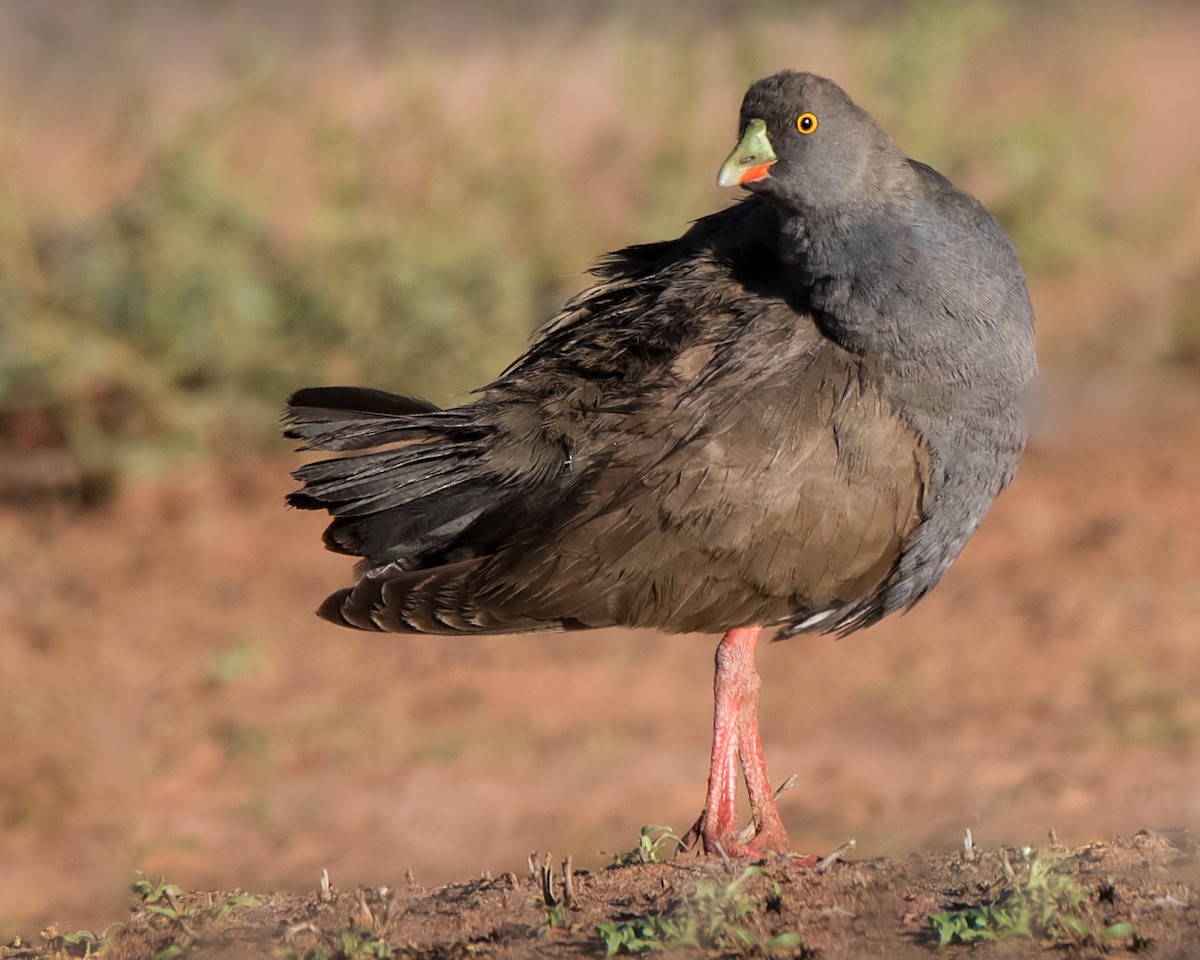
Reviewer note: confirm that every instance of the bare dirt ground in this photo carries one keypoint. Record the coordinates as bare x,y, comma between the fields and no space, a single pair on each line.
175,707
1136,896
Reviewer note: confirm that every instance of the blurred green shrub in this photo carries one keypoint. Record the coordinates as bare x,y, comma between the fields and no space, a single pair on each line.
415,250
1040,170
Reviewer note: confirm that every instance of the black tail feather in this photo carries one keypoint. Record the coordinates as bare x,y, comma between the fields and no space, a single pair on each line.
378,480
355,418
361,399
404,505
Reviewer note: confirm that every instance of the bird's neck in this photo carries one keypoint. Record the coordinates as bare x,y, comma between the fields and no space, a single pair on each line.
871,280
845,256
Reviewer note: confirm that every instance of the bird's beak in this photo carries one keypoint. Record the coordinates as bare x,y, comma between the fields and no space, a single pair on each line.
751,158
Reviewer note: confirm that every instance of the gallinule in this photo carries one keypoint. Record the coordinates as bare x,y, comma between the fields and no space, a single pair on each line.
794,415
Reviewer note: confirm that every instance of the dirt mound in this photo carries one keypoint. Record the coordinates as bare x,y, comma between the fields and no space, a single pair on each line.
1136,895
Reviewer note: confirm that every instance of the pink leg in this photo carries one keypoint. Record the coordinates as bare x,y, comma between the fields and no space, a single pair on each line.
768,828
735,733
720,805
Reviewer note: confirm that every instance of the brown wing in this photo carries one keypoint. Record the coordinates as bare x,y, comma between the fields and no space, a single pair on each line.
681,449
733,501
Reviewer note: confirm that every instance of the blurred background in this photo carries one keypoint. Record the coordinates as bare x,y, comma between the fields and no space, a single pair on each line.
205,205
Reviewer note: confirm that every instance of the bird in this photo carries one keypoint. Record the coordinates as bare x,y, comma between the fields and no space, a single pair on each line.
790,417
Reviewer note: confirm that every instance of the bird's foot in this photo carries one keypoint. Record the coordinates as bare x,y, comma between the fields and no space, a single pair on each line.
723,839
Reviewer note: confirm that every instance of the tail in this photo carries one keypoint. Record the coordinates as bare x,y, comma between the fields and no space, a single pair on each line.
429,508
445,599
408,506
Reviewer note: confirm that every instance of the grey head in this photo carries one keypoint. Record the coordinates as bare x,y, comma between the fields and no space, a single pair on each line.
805,146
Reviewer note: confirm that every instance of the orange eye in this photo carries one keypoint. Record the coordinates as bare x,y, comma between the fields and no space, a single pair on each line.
806,123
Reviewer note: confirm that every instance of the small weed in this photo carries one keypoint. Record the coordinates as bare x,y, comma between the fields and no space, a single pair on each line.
161,898
81,943
656,844
556,916
715,915
349,945
149,891
174,911
220,911
362,945
85,939
164,899
1046,904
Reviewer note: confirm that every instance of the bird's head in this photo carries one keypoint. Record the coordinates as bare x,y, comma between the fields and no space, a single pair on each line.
805,145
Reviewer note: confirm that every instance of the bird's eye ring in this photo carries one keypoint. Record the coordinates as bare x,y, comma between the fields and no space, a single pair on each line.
806,122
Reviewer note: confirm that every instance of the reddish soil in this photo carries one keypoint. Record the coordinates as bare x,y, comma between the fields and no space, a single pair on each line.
1138,896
